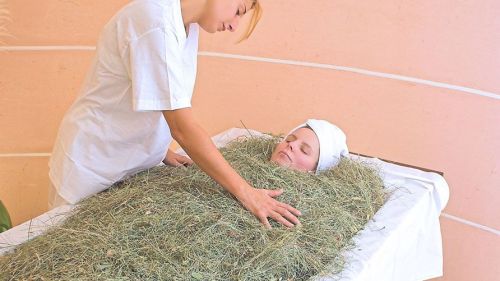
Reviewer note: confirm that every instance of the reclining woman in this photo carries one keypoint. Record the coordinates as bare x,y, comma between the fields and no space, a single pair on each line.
314,146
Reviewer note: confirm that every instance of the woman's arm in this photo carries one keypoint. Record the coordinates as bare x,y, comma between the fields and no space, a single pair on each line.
198,145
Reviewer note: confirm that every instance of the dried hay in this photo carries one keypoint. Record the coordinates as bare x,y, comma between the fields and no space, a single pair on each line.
178,224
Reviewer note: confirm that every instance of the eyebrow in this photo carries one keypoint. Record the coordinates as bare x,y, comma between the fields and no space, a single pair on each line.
304,143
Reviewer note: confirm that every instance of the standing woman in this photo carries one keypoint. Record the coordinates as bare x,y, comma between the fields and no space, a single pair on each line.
137,97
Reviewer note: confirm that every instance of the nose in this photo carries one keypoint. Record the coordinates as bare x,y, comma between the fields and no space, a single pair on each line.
233,25
292,145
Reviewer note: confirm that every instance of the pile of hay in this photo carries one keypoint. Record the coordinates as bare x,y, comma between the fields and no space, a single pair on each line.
178,224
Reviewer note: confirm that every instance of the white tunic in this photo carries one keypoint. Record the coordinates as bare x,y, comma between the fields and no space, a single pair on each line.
144,64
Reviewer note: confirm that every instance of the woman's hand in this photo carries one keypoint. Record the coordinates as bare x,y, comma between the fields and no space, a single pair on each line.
262,204
174,159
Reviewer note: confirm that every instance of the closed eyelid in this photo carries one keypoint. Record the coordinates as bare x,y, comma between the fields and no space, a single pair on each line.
240,12
306,148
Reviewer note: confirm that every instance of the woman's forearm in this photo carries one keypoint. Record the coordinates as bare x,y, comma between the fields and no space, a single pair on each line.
198,145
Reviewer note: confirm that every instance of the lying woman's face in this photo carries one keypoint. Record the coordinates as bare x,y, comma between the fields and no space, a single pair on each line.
298,151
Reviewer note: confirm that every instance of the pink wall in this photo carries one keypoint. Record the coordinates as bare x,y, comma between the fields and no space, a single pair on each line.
454,128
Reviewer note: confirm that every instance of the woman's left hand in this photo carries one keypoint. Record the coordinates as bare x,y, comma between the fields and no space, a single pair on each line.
174,159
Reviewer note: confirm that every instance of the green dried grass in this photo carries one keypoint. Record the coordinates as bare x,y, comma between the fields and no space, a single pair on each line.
178,224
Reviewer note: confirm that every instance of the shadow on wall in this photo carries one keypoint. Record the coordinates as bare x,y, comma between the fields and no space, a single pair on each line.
4,20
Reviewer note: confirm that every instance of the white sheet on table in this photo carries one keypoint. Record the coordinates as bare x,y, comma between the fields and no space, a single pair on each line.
32,228
401,242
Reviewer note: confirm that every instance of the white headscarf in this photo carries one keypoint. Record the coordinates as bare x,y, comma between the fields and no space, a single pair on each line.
332,142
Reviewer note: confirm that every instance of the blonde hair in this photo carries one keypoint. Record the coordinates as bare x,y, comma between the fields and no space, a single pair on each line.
257,14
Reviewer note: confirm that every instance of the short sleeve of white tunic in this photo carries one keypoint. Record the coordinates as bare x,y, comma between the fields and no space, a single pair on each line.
159,57
144,64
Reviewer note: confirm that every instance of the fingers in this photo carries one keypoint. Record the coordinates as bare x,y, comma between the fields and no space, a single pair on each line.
264,206
274,192
187,161
176,163
180,161
265,222
278,192
279,218
289,216
281,212
290,209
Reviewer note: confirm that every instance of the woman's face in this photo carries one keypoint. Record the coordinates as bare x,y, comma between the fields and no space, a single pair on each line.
221,15
298,151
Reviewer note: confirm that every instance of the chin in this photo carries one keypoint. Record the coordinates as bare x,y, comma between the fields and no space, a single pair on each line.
209,29
274,160
283,164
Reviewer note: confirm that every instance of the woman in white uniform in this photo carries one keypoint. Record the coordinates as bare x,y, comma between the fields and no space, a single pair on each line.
137,97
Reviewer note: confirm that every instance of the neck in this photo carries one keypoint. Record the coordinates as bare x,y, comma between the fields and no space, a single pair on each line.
191,10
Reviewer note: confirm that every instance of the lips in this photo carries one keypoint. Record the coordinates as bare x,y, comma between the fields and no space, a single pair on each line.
222,27
288,156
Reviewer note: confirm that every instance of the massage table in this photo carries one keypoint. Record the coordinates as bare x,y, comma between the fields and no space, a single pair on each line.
401,242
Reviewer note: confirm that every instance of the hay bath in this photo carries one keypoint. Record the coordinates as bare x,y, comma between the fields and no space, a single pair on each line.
178,224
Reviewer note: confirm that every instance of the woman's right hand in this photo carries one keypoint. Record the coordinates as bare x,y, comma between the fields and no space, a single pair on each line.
261,203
